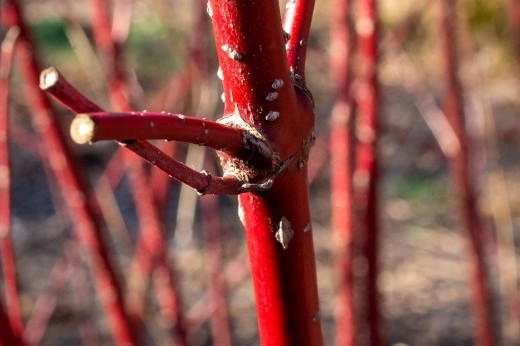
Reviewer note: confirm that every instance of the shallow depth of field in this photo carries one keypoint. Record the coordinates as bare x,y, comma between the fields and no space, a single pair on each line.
424,268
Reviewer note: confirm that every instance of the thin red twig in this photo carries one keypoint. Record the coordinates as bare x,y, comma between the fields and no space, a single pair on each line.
203,182
213,248
342,46
464,182
7,335
73,187
7,252
366,172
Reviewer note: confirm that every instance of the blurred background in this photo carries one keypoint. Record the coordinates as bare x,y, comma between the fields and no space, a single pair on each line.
423,280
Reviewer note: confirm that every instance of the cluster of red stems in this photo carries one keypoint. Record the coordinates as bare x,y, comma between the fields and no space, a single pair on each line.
263,141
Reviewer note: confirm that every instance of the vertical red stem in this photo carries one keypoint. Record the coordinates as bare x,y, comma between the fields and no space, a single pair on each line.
6,248
473,223
366,174
341,168
73,187
151,241
252,56
212,227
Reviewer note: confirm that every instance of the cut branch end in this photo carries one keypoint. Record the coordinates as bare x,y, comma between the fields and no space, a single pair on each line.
82,129
48,78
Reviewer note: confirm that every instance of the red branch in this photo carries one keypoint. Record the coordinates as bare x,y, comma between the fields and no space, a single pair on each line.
341,168
213,248
7,335
73,187
366,173
249,38
203,182
6,253
297,23
463,181
148,125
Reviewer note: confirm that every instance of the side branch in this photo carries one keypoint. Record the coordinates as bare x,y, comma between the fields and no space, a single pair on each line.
56,85
128,126
297,24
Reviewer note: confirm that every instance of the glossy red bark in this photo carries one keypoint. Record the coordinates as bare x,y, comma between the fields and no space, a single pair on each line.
284,278
149,125
464,183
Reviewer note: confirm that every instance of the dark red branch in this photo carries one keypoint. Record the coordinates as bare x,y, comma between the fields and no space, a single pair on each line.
203,182
464,183
213,248
6,252
342,47
366,173
74,190
7,335
249,39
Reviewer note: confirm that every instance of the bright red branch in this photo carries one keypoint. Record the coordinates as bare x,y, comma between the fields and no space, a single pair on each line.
464,182
203,182
73,187
297,24
148,125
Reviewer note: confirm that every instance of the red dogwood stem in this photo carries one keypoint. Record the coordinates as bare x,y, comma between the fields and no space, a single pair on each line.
74,189
297,23
203,182
341,168
7,335
6,253
127,126
366,173
453,108
259,91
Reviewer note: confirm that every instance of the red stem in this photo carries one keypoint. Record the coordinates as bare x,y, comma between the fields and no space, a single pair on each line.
151,242
213,232
7,335
151,251
71,184
202,182
248,37
111,51
366,173
297,24
149,125
453,108
341,168
6,253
